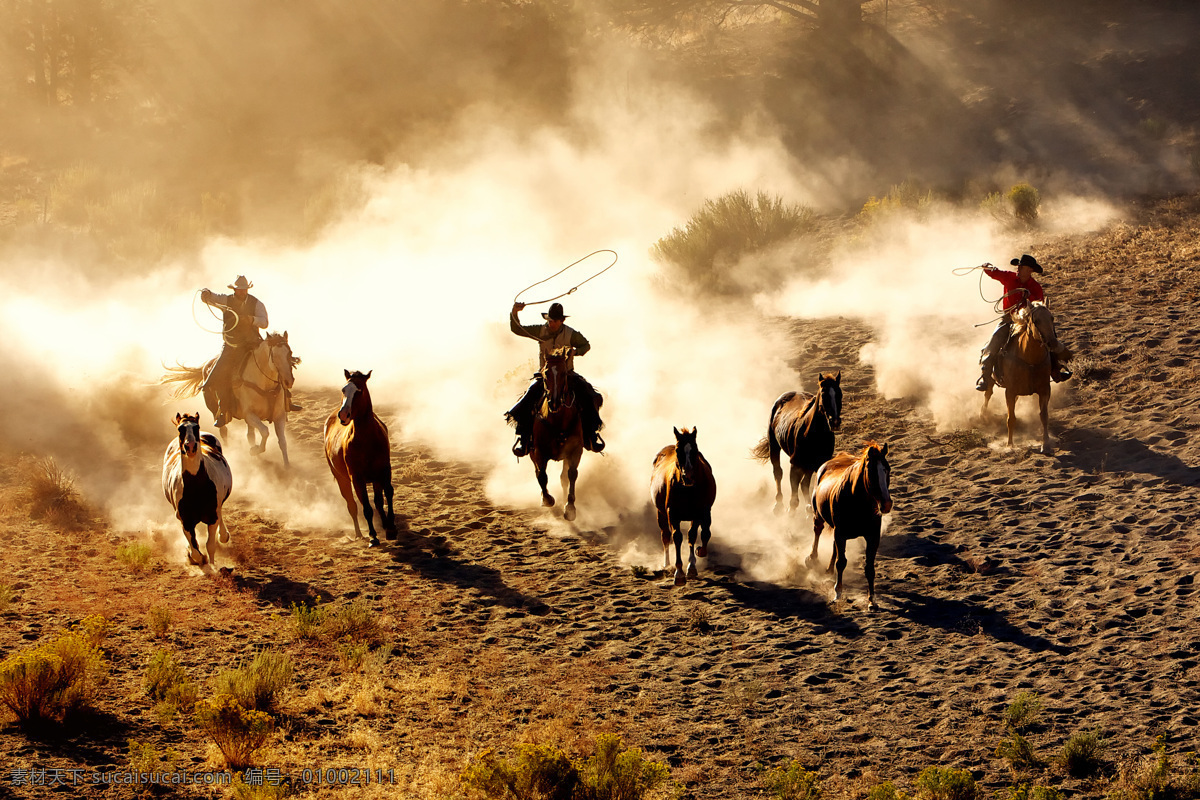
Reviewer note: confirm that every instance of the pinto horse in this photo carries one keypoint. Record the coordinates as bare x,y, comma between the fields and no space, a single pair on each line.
683,490
261,390
359,452
557,431
1023,367
802,425
851,496
197,481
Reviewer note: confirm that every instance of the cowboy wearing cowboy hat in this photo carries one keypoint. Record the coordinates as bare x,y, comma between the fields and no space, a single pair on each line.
551,336
244,315
1020,288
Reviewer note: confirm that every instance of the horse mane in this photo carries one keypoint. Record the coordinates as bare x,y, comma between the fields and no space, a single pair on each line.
809,413
850,467
559,352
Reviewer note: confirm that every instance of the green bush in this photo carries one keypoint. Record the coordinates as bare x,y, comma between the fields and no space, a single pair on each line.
726,229
306,621
160,620
352,623
168,684
1017,750
906,196
1025,201
237,731
886,791
537,772
55,679
1084,754
1155,777
1023,712
614,773
794,782
258,684
53,496
946,783
1027,792
136,555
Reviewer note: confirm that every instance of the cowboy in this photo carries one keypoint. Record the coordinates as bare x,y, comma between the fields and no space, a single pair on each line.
1020,288
551,336
244,316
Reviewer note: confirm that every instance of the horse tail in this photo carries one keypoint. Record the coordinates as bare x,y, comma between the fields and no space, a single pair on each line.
762,450
188,378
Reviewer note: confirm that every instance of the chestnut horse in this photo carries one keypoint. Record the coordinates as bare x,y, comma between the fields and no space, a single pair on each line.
260,390
683,490
1023,367
557,431
802,425
359,452
197,481
851,496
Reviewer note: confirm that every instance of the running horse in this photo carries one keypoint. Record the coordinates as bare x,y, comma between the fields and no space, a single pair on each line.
359,452
1023,367
197,481
851,496
261,390
683,489
557,431
802,425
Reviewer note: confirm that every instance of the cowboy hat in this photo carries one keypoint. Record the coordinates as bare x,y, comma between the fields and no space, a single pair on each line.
242,283
555,312
1027,261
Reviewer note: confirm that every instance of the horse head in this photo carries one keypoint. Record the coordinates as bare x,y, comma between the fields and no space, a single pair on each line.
877,473
687,455
829,398
555,376
282,358
1042,321
355,396
189,433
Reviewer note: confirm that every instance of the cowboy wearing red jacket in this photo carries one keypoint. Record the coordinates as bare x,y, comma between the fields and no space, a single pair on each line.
1019,288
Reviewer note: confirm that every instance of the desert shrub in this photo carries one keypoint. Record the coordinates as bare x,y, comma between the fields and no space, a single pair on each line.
886,791
1025,201
7,596
1019,753
168,683
160,620
1084,754
1023,712
1027,792
306,621
726,229
52,495
1155,777
54,679
615,773
794,782
237,731
135,555
258,684
267,790
946,783
354,622
145,757
902,196
536,772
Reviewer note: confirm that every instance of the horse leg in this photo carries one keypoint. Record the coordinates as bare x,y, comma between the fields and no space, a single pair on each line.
194,554
693,530
253,424
677,535
1010,399
872,548
794,478
364,500
281,437
839,556
805,483
818,526
987,396
777,472
539,469
569,474
664,529
389,521
347,491
1044,412
214,529
705,524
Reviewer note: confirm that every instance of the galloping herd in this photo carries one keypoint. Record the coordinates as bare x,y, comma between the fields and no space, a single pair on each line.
850,493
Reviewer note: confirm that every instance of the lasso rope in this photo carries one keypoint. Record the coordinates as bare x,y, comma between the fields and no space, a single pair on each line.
223,330
573,289
997,305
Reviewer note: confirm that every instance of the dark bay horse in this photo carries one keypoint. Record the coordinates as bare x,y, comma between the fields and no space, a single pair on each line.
557,431
197,481
802,426
851,496
359,452
1023,367
683,490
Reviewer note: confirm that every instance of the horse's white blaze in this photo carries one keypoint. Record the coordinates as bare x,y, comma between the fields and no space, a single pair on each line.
348,392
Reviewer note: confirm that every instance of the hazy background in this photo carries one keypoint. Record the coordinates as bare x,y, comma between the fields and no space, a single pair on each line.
390,175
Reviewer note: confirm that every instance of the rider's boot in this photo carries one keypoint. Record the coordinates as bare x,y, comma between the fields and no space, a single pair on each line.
292,404
985,379
596,444
521,446
1058,372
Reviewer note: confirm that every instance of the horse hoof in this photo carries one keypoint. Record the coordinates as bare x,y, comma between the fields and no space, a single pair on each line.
569,513
872,605
692,573
374,542
680,580
547,502
778,509
701,552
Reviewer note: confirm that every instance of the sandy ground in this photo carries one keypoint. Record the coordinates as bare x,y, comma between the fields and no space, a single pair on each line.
1070,575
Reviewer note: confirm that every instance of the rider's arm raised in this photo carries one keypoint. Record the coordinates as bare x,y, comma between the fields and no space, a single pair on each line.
525,331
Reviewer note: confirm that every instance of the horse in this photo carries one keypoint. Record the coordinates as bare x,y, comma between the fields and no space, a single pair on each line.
683,489
261,393
359,452
802,425
196,480
557,431
1023,367
851,496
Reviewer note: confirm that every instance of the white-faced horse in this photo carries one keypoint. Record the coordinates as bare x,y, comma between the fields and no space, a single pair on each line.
261,390
197,481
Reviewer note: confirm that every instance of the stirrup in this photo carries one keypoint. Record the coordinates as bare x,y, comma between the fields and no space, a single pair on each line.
981,384
597,444
519,449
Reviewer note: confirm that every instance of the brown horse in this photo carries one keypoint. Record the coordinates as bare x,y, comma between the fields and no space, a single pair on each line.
683,490
359,453
557,431
802,425
851,496
1023,367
